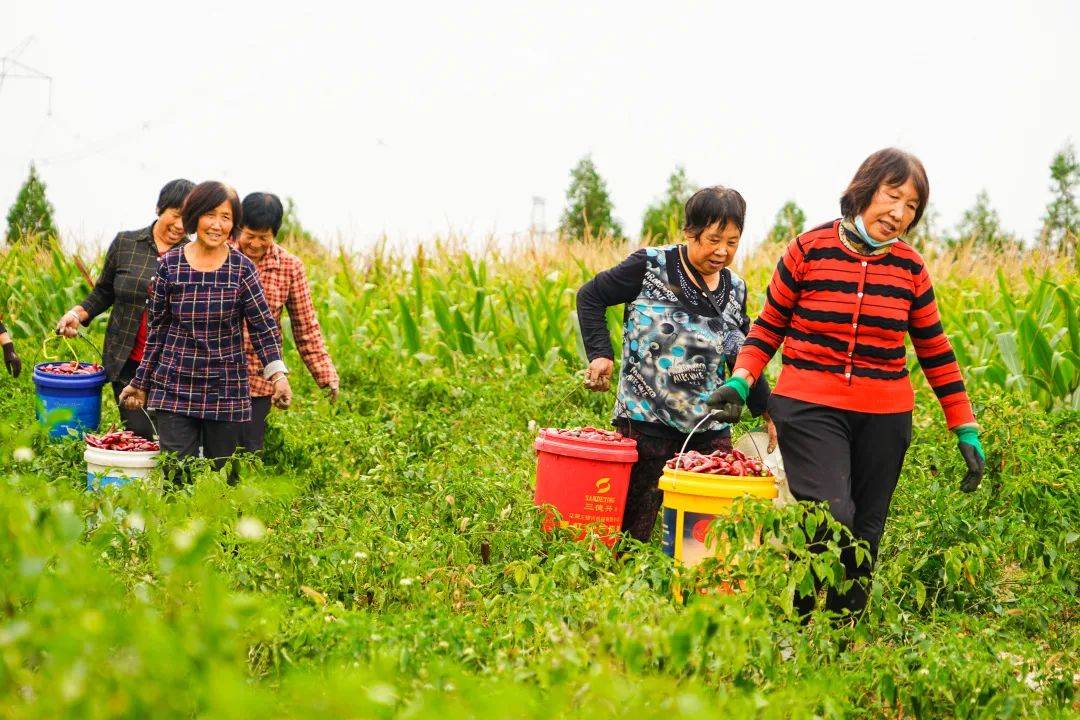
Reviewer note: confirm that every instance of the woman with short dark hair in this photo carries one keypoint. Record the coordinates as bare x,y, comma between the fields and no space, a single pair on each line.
124,285
841,301
286,286
194,372
684,321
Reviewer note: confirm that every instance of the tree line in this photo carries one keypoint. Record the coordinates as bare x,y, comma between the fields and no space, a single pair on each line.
30,217
590,213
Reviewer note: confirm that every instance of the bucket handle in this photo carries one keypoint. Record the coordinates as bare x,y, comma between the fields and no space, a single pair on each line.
157,436
703,420
67,341
98,351
562,401
50,338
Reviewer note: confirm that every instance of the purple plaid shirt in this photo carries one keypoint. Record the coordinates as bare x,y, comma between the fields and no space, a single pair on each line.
194,362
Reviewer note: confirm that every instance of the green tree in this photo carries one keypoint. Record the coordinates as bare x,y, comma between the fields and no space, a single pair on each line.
790,221
588,210
1061,224
925,236
290,223
292,233
663,220
980,226
31,215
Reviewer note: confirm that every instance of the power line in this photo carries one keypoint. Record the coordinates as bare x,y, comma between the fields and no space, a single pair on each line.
11,68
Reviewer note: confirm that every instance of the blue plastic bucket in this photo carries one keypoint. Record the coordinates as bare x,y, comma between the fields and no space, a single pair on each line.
79,395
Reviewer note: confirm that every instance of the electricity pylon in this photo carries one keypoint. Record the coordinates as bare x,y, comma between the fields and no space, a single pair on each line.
11,68
537,223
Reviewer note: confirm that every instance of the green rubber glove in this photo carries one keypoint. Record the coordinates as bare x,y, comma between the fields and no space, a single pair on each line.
728,400
972,452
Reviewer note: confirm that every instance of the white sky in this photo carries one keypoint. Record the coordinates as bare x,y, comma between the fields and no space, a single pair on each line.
419,118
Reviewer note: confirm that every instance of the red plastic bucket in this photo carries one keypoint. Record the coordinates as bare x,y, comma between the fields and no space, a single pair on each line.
585,480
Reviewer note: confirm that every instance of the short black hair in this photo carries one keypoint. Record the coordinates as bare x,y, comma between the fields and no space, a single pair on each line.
172,195
892,167
711,205
263,211
203,198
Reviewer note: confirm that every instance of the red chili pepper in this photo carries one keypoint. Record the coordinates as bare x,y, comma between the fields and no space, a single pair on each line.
70,368
121,441
718,463
701,527
589,433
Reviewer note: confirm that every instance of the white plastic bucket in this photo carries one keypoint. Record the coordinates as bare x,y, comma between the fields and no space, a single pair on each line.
755,444
114,467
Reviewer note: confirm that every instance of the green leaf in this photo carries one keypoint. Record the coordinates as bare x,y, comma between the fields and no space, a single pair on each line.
680,648
1010,353
442,316
1072,317
464,333
920,594
410,331
478,309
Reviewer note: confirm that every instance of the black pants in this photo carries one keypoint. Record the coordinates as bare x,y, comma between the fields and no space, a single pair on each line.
644,497
183,435
134,420
253,432
852,461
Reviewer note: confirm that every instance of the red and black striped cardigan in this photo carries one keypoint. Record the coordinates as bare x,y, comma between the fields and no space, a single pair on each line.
842,317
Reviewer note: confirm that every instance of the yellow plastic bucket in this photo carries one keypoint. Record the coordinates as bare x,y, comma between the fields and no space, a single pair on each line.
692,500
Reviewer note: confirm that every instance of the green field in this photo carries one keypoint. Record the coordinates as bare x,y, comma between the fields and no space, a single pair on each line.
386,559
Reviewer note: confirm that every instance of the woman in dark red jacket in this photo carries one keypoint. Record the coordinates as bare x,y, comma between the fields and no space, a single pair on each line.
841,301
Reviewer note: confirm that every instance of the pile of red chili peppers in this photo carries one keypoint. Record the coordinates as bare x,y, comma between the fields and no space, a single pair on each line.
70,368
719,463
589,433
122,441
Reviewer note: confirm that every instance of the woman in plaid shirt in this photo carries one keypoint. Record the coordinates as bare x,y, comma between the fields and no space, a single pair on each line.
193,372
123,288
286,285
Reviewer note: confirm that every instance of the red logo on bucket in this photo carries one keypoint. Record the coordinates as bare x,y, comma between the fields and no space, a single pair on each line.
603,486
700,528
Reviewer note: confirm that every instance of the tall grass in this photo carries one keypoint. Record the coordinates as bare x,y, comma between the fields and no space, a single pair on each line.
40,283
1013,317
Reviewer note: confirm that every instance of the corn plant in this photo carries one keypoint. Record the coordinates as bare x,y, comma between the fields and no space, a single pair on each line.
41,282
1021,339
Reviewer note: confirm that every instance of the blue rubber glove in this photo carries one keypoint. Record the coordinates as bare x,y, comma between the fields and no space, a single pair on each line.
972,452
729,399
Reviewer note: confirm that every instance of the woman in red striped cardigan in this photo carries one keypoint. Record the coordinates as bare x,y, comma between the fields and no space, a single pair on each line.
841,302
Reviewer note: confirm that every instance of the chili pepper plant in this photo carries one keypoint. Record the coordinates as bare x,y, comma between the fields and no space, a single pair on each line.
384,558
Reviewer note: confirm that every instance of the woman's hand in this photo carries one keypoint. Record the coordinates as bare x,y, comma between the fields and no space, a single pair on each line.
770,428
333,389
974,457
598,374
728,400
68,325
132,398
282,397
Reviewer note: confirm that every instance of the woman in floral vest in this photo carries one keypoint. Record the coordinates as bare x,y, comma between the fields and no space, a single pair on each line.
684,323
